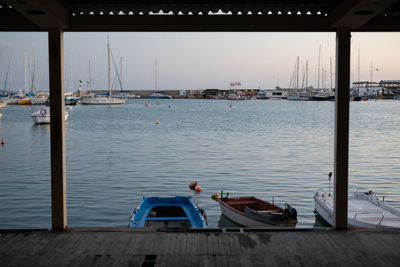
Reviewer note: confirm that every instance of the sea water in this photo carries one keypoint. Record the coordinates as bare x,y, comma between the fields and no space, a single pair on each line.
116,155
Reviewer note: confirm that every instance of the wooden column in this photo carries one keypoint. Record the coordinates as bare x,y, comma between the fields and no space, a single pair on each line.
57,138
342,127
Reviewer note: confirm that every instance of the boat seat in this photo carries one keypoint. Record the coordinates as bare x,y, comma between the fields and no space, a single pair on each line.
268,211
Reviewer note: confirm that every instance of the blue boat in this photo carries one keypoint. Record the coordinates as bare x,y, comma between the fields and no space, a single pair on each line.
168,212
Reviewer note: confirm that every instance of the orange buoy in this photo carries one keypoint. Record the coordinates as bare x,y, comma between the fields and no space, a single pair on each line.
192,185
197,189
2,142
230,105
147,105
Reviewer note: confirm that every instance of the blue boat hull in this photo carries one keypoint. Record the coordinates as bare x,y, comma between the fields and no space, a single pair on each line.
158,212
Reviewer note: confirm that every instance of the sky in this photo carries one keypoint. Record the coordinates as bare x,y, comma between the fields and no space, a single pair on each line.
189,61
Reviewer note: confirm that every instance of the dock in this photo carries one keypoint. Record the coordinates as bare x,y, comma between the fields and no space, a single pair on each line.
208,247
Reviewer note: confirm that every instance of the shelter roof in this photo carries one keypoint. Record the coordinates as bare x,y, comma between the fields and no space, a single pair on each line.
196,15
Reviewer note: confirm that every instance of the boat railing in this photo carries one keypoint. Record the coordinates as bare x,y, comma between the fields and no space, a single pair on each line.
379,213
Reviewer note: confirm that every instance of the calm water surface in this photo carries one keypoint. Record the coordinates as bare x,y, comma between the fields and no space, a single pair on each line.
118,154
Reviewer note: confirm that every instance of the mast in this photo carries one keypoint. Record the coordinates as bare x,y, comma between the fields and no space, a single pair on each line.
90,77
358,76
109,71
297,74
11,73
371,72
120,72
71,81
155,75
26,71
319,65
331,71
306,73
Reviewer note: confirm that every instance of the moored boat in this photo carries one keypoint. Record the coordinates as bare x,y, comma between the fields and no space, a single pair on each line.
253,212
42,116
167,212
365,209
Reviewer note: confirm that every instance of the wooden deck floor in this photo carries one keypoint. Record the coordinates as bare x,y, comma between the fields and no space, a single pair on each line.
125,247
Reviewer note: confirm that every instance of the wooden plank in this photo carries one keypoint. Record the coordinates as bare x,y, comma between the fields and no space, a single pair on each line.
57,129
341,157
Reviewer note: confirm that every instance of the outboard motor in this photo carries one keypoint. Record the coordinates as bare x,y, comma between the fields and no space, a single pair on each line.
289,212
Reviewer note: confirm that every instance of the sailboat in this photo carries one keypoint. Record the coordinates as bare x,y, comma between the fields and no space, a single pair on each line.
27,100
157,94
105,100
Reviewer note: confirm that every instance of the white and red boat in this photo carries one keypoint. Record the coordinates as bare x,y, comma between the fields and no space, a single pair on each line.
253,212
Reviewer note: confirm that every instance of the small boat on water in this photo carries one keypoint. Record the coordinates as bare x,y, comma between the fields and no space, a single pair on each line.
253,212
159,96
3,104
365,209
42,116
168,212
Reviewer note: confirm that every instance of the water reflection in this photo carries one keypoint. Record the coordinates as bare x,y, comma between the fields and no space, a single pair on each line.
224,222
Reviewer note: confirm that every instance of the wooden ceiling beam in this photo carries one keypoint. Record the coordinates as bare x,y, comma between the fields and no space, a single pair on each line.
200,23
43,13
355,13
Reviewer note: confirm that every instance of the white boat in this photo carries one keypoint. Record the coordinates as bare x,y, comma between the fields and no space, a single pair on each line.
42,116
105,100
159,95
3,104
365,209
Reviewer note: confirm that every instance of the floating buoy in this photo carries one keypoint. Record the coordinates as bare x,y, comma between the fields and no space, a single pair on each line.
157,122
192,185
197,189
169,106
147,105
230,105
2,142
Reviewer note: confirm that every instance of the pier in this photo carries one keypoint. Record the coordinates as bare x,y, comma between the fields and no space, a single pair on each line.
218,247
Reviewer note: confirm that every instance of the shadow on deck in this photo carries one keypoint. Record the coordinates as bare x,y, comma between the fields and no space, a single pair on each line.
212,247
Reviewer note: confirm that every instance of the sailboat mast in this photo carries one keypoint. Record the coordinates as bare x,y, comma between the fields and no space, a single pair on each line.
358,77
371,72
155,76
306,73
26,71
331,71
71,80
297,73
109,70
120,72
319,64
11,74
90,77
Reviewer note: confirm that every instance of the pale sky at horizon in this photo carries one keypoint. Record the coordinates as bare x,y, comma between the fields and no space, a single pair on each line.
198,60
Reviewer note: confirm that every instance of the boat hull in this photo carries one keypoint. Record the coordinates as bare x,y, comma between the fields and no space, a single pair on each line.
176,212
253,221
24,102
363,211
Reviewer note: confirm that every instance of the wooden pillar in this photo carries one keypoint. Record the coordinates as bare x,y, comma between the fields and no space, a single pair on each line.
57,128
342,99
